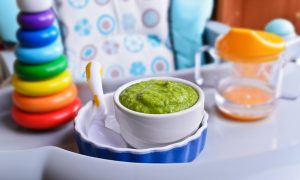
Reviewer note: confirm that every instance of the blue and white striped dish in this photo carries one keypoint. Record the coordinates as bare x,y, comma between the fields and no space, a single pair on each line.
100,138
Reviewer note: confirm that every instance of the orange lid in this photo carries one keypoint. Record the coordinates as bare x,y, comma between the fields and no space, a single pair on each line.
248,46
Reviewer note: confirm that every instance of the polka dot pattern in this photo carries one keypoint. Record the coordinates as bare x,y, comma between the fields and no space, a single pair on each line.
128,22
160,65
88,52
125,36
106,24
114,71
137,68
150,18
133,43
78,4
83,27
110,47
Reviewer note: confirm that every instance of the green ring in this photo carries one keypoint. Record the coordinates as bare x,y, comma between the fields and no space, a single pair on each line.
39,72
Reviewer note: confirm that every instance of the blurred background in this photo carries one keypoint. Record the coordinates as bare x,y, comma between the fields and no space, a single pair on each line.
256,13
239,13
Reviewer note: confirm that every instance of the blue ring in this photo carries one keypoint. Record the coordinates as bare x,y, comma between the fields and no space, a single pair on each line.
157,59
37,38
113,24
40,55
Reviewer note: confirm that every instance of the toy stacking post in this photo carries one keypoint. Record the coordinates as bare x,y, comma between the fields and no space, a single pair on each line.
44,95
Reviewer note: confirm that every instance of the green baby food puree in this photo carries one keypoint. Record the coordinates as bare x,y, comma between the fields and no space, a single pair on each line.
158,97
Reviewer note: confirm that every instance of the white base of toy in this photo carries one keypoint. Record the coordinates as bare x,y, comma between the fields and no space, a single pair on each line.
34,6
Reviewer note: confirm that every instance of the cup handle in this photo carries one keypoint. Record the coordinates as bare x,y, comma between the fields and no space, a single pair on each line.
198,60
289,81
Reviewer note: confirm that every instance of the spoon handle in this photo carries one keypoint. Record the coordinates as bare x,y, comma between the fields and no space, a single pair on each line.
94,79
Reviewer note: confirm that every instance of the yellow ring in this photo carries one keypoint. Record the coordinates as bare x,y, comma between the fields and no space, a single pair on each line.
43,88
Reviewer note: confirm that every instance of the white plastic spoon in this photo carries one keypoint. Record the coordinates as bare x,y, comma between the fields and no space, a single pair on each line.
94,79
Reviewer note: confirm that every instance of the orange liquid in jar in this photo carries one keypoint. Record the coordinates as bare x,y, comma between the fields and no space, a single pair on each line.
248,95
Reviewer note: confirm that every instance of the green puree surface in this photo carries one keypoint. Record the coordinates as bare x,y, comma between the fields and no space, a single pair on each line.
158,97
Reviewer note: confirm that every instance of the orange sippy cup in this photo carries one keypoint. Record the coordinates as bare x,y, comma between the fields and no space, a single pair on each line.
252,87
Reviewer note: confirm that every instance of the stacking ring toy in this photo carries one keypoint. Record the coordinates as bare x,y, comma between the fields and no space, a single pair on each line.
40,55
33,6
34,21
38,38
40,71
42,88
45,104
41,121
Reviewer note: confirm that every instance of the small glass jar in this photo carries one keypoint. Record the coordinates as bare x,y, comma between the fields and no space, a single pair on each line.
253,85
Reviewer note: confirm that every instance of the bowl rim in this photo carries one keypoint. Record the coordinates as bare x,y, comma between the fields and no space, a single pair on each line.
79,129
199,102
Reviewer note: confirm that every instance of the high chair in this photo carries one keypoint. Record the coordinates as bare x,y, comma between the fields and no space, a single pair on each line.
134,38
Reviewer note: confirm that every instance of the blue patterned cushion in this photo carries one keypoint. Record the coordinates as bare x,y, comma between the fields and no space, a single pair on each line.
127,41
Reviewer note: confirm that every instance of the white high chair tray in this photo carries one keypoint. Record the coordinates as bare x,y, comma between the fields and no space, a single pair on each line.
267,149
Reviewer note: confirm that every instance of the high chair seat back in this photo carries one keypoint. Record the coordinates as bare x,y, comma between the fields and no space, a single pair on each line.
131,37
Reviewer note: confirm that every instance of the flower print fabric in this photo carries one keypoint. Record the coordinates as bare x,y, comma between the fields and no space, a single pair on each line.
137,68
128,42
128,22
82,27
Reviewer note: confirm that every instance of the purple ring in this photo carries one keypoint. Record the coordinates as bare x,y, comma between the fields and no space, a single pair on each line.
33,21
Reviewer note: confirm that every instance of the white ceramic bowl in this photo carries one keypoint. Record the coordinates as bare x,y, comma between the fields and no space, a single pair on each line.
142,130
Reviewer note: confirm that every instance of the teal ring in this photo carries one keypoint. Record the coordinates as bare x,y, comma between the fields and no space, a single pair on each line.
40,55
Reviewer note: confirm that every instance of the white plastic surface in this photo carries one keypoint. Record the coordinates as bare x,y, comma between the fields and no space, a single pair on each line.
267,149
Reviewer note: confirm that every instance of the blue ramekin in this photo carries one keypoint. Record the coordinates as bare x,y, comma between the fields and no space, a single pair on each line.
181,152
